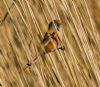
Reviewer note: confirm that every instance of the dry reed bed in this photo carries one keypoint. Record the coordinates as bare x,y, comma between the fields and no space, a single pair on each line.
23,24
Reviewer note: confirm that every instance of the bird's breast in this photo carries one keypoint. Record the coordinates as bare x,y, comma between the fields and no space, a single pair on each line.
51,46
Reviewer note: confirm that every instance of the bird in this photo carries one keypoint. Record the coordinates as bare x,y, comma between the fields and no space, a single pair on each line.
52,40
53,37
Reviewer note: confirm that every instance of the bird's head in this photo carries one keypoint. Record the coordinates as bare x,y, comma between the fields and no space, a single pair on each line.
55,23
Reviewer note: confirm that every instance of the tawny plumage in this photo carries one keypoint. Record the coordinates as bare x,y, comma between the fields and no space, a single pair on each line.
53,38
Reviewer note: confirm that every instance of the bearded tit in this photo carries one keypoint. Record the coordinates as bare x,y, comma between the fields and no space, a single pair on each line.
53,37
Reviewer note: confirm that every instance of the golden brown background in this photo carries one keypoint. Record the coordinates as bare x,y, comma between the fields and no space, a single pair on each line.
22,26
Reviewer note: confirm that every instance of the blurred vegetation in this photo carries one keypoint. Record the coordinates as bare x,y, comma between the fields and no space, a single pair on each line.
23,24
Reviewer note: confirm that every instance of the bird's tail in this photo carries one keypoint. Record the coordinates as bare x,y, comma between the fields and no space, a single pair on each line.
35,58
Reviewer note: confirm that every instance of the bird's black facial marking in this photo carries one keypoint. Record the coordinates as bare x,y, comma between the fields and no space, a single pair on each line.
50,24
54,24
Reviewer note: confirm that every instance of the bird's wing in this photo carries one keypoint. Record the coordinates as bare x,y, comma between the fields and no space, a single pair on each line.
46,39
